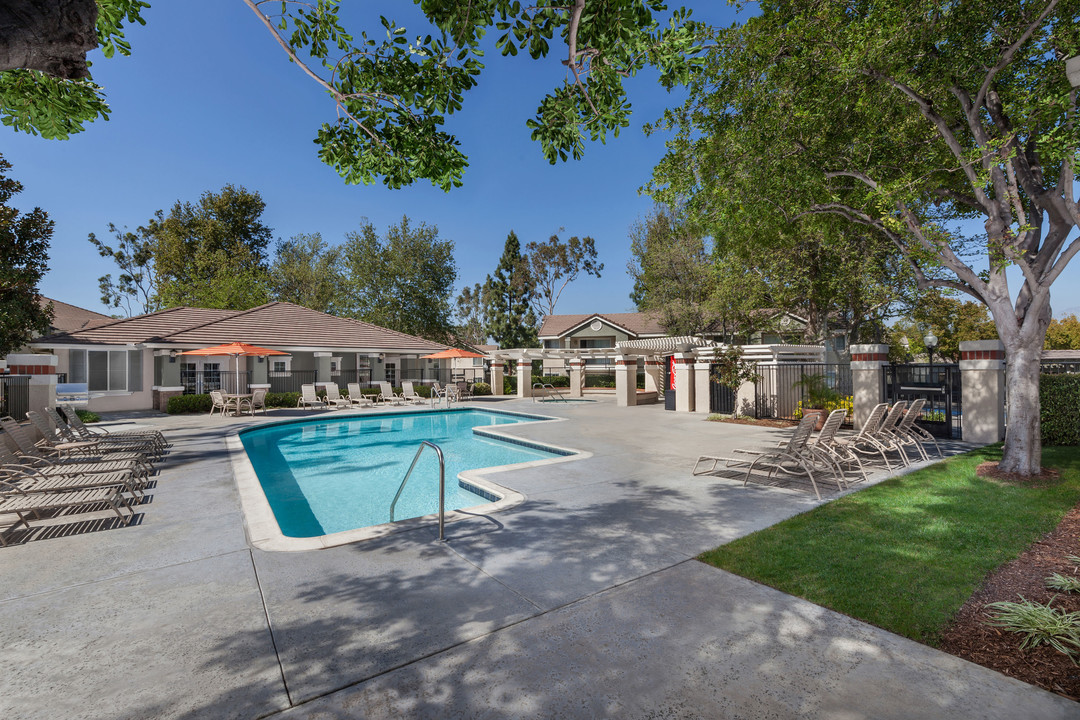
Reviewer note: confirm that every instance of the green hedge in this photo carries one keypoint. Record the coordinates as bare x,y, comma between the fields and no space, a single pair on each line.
189,404
1059,403
481,388
555,380
510,385
87,416
600,381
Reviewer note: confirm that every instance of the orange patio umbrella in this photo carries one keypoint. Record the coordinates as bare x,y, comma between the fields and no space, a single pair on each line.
236,350
451,353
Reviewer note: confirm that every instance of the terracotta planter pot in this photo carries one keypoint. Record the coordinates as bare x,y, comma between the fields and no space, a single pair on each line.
821,415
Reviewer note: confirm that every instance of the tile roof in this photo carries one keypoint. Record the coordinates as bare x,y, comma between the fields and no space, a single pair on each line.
635,323
276,324
67,317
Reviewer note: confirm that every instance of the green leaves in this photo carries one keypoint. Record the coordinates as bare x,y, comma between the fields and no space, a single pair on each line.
24,260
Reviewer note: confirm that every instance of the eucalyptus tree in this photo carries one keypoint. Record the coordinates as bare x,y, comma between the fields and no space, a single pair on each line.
392,91
556,263
912,118
135,286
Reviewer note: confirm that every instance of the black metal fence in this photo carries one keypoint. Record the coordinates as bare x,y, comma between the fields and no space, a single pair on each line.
1060,367
939,385
200,382
291,381
780,391
15,396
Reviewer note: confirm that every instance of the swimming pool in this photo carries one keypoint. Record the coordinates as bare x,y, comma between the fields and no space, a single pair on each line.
336,474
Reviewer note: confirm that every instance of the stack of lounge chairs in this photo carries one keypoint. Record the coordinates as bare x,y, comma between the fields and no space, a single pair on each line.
71,469
885,437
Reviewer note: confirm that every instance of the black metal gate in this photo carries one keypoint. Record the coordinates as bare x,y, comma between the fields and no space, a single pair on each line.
15,396
721,397
939,385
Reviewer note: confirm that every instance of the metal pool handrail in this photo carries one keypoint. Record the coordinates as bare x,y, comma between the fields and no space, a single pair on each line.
442,484
551,389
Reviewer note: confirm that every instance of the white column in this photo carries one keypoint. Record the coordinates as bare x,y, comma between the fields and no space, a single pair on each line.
684,382
867,381
577,377
982,390
524,378
654,377
625,381
702,386
496,378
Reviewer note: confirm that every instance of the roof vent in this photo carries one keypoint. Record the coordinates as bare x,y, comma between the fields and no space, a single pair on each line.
596,325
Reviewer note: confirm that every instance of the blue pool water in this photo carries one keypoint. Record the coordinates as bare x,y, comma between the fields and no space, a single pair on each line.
336,474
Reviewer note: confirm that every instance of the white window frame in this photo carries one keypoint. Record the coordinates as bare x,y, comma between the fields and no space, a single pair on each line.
288,366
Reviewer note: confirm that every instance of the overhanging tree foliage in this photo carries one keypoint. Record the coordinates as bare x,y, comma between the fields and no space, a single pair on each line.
908,117
306,271
393,91
24,255
557,263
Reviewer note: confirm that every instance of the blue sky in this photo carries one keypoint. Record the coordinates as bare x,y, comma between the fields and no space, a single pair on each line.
208,98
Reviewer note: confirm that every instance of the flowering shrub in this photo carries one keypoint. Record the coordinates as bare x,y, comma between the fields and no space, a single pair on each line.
847,403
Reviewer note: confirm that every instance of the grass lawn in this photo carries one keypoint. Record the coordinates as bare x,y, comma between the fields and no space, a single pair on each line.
906,554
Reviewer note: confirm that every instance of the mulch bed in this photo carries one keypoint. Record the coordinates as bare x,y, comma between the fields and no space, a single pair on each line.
998,649
762,422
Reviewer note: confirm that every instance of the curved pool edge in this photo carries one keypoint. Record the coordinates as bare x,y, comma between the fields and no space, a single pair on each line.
262,528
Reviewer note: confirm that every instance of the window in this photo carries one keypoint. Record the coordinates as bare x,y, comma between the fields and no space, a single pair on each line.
281,367
106,370
335,366
552,344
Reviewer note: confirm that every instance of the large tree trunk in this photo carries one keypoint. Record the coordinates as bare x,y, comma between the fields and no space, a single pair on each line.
1023,442
52,36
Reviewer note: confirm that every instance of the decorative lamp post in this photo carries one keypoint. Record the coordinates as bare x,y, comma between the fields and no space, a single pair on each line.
930,340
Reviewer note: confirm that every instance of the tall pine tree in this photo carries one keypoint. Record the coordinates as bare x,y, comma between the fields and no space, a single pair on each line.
511,321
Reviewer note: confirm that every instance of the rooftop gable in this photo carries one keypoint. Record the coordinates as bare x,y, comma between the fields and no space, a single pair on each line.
635,324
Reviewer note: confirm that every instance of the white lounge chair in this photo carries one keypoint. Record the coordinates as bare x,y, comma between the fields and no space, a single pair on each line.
387,394
308,398
334,397
356,396
409,394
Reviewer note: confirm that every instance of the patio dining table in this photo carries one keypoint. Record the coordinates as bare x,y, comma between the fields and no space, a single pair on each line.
237,398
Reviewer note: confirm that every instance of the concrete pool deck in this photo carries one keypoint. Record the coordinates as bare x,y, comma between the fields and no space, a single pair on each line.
583,601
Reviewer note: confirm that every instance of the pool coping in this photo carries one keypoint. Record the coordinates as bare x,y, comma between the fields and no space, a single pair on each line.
261,525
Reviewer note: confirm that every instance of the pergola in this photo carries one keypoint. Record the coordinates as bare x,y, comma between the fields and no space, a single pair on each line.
690,355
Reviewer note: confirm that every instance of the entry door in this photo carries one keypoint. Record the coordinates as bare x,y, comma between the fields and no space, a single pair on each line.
391,373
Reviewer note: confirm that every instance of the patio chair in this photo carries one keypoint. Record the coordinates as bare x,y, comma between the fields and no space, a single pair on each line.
220,402
52,467
463,392
334,397
912,434
257,401
793,458
21,504
58,442
869,440
826,444
356,396
387,394
24,447
86,433
39,480
308,397
409,394
146,445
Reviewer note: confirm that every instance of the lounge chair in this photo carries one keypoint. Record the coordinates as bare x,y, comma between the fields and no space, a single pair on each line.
38,480
86,433
68,468
147,445
334,397
57,441
18,502
826,444
356,396
409,394
387,394
792,458
24,447
870,440
911,434
308,397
